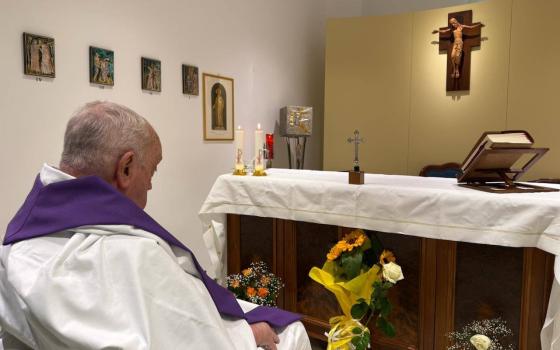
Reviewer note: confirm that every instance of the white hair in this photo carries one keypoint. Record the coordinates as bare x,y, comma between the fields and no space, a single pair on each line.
99,133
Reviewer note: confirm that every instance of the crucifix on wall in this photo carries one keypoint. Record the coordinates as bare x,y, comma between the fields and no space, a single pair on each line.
457,40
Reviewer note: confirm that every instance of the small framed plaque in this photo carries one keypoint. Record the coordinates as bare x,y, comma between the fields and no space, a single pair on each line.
38,55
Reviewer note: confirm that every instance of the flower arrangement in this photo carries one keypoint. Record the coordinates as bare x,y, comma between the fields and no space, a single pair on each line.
360,274
255,284
490,334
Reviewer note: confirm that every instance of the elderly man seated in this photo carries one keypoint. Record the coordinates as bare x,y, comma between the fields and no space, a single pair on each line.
84,267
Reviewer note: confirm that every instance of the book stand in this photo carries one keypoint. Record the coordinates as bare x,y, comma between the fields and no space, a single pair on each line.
492,171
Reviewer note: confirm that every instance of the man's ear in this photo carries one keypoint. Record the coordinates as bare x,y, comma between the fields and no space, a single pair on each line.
123,174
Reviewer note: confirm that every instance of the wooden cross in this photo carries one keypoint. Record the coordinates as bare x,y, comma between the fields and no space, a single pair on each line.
458,39
356,140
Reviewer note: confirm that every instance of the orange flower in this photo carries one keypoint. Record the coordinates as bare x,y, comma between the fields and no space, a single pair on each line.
235,284
247,272
251,291
354,239
263,292
265,280
386,257
334,253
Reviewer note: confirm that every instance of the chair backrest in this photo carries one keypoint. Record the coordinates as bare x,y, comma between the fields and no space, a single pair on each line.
450,170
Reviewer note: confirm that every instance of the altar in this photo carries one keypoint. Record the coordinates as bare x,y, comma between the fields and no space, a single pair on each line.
465,254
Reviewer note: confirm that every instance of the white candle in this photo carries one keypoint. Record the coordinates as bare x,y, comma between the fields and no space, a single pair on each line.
259,142
239,142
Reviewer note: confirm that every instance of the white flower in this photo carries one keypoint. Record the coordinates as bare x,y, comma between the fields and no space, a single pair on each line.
481,342
392,272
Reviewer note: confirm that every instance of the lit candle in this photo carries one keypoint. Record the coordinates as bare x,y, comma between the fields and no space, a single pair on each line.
259,142
239,142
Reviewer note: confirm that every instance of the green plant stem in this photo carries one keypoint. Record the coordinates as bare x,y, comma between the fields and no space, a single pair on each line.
370,317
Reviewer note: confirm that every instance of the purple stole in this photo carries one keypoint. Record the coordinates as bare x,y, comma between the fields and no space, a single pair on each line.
91,201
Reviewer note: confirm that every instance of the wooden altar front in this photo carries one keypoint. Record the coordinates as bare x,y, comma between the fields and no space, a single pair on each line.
447,284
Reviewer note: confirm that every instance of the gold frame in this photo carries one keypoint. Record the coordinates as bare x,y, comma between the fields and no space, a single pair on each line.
229,128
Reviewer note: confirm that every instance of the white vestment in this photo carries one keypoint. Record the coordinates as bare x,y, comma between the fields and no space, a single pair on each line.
114,287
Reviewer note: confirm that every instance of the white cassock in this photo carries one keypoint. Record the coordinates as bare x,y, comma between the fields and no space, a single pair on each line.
114,287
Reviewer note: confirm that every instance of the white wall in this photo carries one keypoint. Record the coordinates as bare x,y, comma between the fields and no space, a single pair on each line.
273,49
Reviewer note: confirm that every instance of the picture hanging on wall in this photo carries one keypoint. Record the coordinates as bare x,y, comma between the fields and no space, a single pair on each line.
101,66
190,80
218,107
38,55
151,74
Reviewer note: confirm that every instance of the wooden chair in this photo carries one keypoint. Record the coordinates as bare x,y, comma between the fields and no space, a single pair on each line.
450,170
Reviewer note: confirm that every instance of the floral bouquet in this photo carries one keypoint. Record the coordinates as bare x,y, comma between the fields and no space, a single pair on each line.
360,275
482,335
255,284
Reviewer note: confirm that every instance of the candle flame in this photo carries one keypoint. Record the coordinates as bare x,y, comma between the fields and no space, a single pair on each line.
239,127
258,126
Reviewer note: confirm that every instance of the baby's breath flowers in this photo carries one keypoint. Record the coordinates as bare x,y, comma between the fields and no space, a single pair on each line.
493,334
255,284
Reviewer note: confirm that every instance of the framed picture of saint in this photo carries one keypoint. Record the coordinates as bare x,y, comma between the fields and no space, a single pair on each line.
38,55
218,107
101,66
151,74
190,80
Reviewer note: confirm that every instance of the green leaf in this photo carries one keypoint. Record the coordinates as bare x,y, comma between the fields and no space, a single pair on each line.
366,338
384,307
367,244
386,327
357,330
356,340
352,263
359,310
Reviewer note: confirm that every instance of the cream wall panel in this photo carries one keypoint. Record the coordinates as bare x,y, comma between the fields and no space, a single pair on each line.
367,88
444,126
534,77
385,76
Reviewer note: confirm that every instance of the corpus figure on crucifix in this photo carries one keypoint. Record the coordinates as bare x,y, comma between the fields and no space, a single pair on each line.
457,50
465,35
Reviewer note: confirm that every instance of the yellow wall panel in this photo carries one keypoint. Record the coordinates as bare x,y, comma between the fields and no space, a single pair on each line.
444,125
368,88
386,77
534,79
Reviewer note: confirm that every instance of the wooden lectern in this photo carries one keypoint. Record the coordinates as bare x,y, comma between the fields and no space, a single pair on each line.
498,159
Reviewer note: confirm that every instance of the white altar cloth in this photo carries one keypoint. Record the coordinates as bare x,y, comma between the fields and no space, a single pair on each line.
417,206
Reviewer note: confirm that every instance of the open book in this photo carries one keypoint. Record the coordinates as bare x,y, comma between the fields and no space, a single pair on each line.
499,139
498,159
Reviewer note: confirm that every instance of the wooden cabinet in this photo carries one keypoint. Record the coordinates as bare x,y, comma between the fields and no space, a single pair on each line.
447,284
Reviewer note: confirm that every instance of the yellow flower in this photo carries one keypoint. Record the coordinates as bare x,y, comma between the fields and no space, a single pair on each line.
265,280
354,239
235,284
386,257
334,253
247,272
